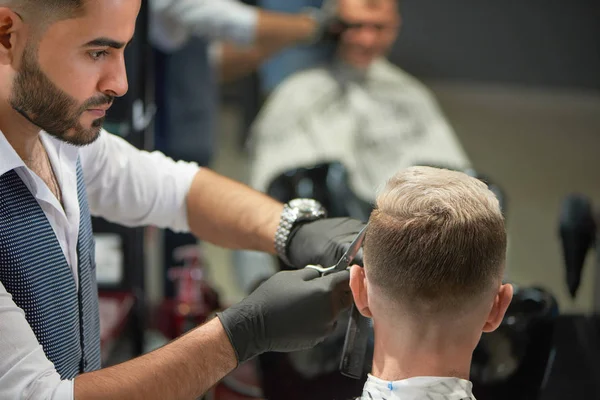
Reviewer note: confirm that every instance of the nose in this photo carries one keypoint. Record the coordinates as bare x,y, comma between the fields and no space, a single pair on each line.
114,82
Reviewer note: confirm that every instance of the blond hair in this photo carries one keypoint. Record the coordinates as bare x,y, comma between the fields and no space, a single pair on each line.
435,240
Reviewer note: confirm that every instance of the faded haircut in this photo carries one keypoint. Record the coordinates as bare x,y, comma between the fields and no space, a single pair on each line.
42,13
436,240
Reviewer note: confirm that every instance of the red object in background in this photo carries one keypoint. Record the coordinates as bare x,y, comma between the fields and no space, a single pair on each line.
114,310
195,300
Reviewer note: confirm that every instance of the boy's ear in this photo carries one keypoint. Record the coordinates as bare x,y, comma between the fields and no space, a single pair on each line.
501,303
358,285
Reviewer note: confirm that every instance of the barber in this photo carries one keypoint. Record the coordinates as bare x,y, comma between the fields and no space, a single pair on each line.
61,68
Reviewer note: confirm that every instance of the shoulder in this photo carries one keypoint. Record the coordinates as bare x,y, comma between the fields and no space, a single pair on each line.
304,82
295,94
393,76
105,148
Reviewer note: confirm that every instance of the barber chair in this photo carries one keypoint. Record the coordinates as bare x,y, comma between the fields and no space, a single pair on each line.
514,361
327,183
575,372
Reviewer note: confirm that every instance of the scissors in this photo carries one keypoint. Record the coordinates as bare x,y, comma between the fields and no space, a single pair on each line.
346,259
359,327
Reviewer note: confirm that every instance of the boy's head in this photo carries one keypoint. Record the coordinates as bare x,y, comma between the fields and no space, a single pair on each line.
434,254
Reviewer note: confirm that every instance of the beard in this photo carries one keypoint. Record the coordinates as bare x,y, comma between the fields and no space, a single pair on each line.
45,105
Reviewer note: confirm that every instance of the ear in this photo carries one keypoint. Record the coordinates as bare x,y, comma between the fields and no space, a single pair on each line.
358,285
10,25
501,303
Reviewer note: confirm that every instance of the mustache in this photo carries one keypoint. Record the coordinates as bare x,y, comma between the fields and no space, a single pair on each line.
101,100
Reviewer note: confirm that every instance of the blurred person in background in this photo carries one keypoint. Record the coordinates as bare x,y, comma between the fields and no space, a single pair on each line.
197,44
292,59
358,109
200,42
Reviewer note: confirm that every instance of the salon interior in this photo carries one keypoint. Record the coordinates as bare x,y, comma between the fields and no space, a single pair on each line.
517,82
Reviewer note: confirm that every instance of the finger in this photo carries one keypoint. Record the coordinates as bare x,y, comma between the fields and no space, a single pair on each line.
339,287
337,278
307,274
341,301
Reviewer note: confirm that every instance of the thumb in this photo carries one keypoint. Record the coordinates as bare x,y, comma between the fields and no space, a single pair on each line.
337,279
338,284
306,274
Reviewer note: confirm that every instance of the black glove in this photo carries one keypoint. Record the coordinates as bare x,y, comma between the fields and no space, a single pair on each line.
292,310
323,242
329,25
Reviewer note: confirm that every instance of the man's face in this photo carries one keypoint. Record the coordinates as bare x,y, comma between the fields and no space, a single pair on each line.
67,80
372,29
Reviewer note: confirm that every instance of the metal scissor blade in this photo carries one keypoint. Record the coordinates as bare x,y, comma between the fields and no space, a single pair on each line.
352,251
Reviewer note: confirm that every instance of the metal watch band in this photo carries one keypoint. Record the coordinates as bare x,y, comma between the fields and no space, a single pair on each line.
286,222
297,210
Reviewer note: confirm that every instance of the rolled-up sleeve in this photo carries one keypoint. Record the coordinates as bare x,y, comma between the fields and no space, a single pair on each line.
174,21
25,372
136,188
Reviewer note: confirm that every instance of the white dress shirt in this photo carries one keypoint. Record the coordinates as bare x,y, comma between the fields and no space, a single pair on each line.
125,186
418,388
173,22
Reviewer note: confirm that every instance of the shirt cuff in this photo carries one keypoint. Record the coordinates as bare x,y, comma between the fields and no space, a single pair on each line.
186,172
243,31
64,391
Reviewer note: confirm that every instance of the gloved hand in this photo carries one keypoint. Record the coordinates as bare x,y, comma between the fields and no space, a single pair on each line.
292,310
329,25
323,242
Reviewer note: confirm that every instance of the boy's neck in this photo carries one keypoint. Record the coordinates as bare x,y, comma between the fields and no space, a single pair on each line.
403,356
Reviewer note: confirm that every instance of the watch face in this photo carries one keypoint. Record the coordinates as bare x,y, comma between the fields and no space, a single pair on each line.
306,206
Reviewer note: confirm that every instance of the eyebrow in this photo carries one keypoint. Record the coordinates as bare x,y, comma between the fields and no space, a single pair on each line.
106,42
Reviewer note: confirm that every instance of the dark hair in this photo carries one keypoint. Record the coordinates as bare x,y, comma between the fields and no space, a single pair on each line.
42,13
436,240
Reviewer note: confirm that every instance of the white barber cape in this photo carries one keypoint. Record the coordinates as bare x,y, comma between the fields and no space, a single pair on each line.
418,388
375,122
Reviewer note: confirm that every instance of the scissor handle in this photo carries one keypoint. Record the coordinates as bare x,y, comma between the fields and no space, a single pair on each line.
322,270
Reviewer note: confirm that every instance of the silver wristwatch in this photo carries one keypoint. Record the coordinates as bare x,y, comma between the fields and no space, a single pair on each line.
294,212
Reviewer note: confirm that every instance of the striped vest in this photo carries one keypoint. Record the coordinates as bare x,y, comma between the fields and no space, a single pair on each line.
34,271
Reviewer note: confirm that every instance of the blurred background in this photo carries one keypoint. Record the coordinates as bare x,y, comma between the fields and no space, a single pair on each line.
518,83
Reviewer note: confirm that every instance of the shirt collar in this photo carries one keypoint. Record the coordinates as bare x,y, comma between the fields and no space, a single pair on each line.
9,159
442,385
